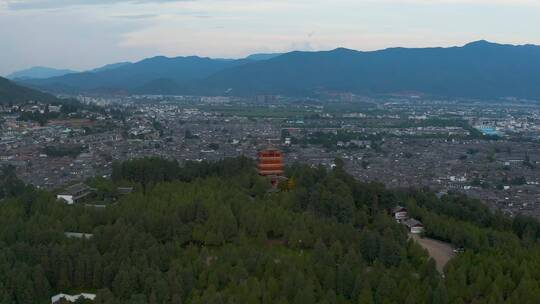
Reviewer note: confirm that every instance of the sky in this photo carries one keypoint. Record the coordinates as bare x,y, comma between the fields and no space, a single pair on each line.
84,34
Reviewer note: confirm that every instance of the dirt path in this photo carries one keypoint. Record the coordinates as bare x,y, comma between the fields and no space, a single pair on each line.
441,252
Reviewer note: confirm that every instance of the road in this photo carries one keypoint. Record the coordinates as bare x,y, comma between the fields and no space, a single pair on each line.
441,252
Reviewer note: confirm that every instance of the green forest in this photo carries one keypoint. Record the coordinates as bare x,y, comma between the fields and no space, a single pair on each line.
214,233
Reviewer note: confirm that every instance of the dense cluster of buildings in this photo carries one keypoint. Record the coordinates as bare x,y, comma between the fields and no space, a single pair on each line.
444,145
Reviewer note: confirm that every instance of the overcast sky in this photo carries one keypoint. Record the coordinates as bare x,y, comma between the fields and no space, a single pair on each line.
83,34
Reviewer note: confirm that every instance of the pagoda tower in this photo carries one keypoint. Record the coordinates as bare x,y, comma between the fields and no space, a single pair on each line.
270,162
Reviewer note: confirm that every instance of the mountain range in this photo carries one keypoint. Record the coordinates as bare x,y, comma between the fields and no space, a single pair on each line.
39,72
479,69
153,75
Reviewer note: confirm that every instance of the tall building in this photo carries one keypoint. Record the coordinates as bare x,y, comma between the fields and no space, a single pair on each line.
270,162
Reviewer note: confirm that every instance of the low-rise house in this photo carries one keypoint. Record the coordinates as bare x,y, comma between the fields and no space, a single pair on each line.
75,193
415,226
124,190
78,235
400,213
59,298
98,206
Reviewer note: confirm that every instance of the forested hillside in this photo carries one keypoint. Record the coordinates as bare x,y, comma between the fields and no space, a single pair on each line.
11,93
212,233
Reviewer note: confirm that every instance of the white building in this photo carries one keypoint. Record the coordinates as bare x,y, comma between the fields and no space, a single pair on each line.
400,213
72,298
78,235
74,193
415,226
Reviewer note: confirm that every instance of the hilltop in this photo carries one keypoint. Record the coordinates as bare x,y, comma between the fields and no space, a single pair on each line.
12,93
212,233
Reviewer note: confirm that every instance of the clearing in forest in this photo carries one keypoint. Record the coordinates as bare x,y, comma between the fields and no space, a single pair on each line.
441,252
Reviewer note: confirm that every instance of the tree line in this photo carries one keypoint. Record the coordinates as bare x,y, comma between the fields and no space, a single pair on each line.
213,233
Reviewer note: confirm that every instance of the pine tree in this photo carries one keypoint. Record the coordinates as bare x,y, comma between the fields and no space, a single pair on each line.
42,289
440,295
365,296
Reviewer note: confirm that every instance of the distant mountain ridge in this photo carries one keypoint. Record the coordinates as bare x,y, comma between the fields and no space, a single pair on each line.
130,77
479,69
111,66
39,72
263,56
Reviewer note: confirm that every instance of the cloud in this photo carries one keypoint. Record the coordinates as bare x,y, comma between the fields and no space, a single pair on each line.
140,16
78,39
83,34
454,2
55,4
